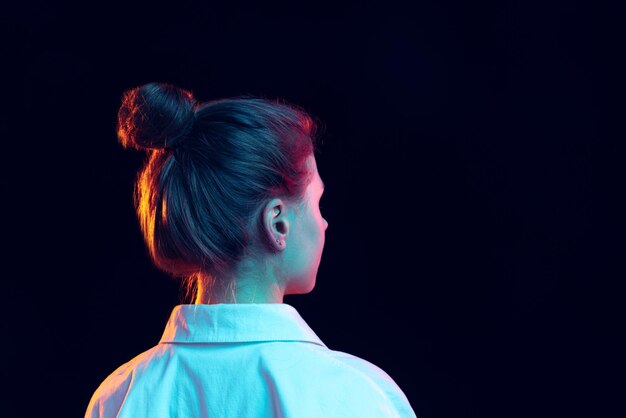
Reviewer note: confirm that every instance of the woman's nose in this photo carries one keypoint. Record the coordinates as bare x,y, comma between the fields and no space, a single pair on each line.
325,224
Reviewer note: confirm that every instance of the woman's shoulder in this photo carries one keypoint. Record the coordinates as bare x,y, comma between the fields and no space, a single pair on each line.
378,378
111,393
323,371
364,367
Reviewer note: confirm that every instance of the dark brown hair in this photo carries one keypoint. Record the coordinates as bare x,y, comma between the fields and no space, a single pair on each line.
210,166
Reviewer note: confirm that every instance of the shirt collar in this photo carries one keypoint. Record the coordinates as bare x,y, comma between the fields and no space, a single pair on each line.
235,323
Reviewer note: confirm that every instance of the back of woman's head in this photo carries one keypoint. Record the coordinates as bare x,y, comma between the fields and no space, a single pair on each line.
210,166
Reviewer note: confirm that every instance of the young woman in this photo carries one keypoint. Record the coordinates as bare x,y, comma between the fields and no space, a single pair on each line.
228,201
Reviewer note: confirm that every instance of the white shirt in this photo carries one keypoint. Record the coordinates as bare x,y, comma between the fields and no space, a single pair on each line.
245,360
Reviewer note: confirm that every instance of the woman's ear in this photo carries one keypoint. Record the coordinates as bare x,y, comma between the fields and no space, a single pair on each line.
275,224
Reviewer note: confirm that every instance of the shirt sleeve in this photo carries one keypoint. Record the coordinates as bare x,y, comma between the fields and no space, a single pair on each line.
381,379
108,399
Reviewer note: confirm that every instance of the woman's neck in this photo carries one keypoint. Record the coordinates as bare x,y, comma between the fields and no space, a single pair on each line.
249,289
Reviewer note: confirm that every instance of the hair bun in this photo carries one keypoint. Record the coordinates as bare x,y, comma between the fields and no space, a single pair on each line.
154,116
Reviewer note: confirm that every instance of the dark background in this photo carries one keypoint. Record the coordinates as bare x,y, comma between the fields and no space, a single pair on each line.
473,155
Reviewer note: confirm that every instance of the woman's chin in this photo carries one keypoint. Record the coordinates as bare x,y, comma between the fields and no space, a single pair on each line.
301,288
